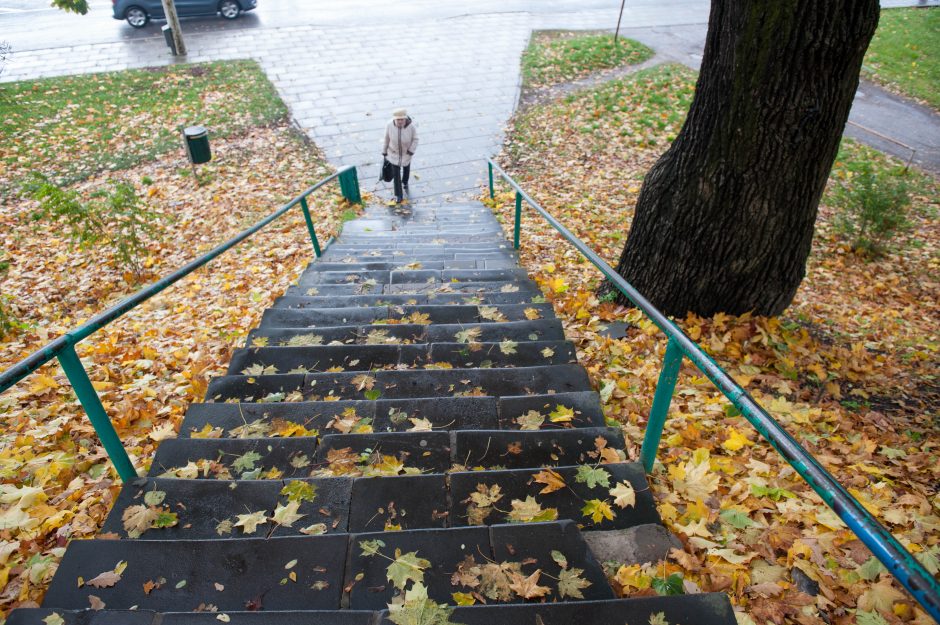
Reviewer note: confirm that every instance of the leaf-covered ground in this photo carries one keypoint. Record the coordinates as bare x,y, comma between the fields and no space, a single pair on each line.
850,369
56,482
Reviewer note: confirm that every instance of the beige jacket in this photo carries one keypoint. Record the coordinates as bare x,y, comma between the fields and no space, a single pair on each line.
400,143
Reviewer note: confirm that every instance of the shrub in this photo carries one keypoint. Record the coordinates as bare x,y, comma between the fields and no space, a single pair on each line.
113,217
872,208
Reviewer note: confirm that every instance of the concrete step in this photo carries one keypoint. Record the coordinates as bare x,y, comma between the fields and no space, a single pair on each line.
698,609
383,453
314,275
321,572
296,297
373,353
252,420
399,384
536,330
433,288
385,415
318,315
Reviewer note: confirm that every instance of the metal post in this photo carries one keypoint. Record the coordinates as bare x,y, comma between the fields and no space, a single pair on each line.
313,233
619,17
661,400
349,186
492,192
515,236
99,419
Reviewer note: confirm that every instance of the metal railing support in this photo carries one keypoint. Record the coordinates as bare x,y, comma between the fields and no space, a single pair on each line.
518,227
85,391
665,387
489,166
349,185
310,228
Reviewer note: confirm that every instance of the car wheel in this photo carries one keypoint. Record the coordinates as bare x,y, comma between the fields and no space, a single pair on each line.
229,9
136,17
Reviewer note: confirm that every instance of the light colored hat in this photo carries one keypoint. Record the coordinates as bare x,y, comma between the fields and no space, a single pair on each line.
399,114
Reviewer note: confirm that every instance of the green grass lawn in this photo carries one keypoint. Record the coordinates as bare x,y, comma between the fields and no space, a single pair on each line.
553,56
905,53
73,127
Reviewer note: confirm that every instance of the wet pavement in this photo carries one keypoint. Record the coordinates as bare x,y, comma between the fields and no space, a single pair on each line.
456,70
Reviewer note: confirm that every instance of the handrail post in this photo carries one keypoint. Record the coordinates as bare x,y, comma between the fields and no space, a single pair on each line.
668,376
515,235
87,396
310,229
489,166
349,185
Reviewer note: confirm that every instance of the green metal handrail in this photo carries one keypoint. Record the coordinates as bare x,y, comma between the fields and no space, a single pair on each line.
63,348
908,571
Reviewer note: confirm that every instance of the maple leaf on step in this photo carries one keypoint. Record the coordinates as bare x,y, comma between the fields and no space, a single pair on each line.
250,522
531,420
138,519
286,514
363,382
407,566
570,583
561,414
470,335
532,314
592,476
421,611
598,510
508,347
553,481
491,313
420,425
496,578
527,587
624,495
530,511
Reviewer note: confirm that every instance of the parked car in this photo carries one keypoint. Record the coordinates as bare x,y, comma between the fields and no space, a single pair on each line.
139,12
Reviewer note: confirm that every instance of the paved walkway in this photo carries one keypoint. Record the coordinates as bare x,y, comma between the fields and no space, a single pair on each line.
459,77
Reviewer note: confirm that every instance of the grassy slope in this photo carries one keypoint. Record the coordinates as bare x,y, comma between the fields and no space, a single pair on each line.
905,53
851,368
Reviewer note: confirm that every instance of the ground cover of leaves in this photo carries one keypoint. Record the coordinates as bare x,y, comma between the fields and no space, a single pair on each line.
850,369
56,482
558,56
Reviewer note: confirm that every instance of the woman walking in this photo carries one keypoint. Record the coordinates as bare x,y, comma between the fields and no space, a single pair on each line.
400,143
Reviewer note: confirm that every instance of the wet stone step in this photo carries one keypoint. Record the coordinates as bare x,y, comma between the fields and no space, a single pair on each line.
453,560
383,454
399,384
315,275
262,420
183,575
319,358
597,497
535,330
295,298
701,609
313,317
227,459
181,509
420,257
436,552
399,503
369,287
528,449
340,617
580,409
45,616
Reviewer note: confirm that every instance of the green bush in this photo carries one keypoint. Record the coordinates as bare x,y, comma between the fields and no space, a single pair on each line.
113,217
872,208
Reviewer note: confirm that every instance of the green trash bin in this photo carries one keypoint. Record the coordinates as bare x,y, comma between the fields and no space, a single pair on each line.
197,144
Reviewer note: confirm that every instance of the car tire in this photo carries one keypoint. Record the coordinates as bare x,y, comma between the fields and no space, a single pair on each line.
230,9
136,16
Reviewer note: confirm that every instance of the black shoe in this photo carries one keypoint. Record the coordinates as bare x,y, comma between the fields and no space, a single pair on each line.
398,199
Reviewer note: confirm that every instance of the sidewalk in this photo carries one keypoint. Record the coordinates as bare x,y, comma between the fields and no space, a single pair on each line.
458,77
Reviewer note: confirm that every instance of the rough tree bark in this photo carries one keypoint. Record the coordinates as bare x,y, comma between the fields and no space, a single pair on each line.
725,218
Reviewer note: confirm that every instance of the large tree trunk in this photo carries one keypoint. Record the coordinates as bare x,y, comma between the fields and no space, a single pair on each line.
725,219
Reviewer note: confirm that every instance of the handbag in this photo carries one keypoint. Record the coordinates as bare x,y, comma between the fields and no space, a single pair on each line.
387,174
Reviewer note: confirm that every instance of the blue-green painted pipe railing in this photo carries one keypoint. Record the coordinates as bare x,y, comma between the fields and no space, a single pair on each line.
63,348
908,571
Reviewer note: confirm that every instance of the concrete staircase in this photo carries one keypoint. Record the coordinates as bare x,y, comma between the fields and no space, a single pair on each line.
409,416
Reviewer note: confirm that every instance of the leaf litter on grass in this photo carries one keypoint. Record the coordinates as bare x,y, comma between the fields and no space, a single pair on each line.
850,369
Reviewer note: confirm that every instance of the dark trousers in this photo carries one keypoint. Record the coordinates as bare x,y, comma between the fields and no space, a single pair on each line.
400,177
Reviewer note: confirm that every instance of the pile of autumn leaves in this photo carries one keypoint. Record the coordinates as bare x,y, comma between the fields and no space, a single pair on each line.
849,369
57,482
